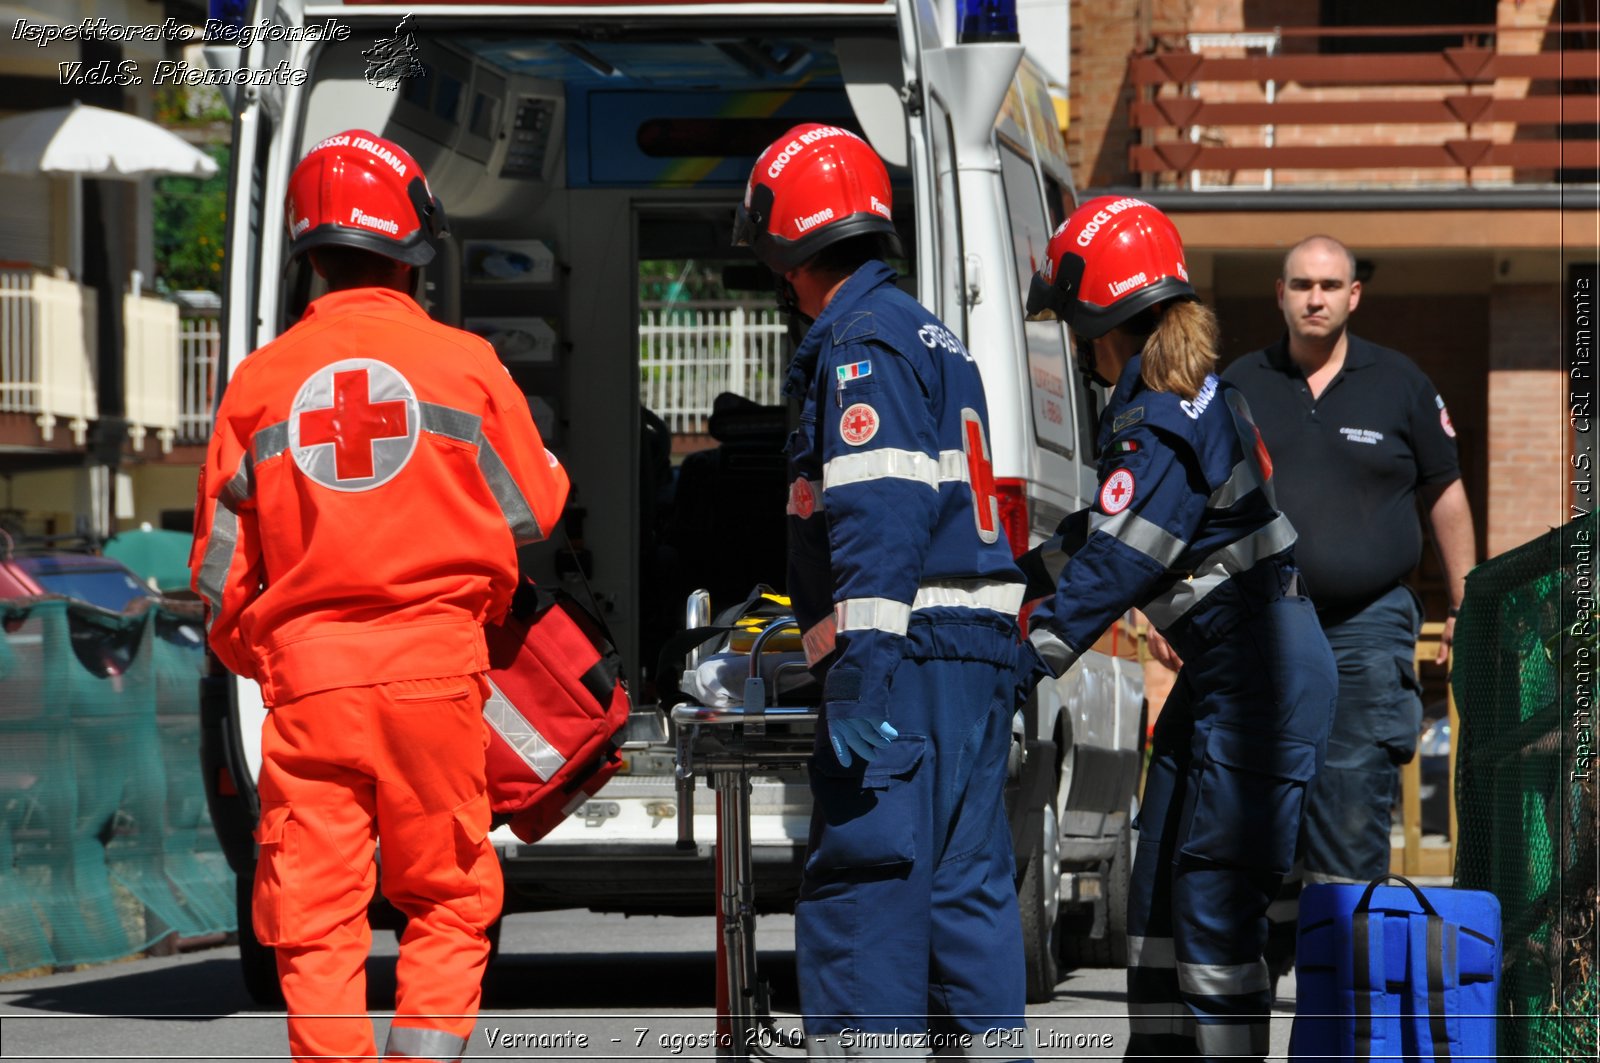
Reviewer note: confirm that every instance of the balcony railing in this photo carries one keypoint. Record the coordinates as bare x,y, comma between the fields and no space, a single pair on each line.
48,341
1226,108
150,345
200,344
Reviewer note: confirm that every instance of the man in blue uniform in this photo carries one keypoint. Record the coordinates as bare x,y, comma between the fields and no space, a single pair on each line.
907,931
1184,526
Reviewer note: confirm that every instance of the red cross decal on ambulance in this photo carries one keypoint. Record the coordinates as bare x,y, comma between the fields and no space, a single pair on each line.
354,424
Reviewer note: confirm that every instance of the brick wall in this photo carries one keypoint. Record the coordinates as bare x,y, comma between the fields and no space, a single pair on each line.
1104,35
1527,418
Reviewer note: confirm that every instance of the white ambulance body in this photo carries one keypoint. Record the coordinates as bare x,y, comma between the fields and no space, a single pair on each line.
571,143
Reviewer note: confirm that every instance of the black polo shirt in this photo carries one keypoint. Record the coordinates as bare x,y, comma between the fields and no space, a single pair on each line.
1346,467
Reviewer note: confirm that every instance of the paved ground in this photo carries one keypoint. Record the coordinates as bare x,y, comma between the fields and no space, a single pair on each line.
626,988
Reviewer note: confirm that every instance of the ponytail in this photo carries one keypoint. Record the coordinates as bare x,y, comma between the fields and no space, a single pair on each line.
1181,349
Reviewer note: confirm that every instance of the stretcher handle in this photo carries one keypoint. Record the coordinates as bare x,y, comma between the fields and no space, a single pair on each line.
779,623
1366,898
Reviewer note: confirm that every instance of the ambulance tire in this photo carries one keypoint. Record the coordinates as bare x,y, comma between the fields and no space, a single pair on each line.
1039,898
258,963
1081,949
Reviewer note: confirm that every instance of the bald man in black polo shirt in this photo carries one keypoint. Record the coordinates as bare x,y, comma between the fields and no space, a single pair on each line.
1357,434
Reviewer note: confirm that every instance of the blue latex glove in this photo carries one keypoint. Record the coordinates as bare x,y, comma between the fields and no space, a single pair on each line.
863,738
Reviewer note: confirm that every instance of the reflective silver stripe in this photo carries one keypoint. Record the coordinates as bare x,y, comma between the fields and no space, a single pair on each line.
1055,556
1319,876
518,513
1240,482
1218,568
415,1042
971,594
1136,533
1160,1017
1234,1040
524,739
1150,952
450,423
885,614
1055,651
883,464
468,428
953,467
270,441
1284,910
1223,979
220,548
896,464
872,614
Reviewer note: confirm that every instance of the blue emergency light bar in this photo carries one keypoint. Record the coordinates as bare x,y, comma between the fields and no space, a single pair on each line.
986,20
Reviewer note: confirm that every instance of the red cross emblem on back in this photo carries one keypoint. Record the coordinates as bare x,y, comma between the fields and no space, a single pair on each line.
980,473
354,424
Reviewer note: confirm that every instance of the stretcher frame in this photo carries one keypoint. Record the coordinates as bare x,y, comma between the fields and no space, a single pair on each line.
728,746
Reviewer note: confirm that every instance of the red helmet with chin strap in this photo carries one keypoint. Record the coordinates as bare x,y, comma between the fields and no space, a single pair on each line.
813,186
1114,257
357,189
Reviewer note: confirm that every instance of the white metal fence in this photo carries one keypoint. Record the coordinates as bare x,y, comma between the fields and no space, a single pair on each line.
688,355
47,350
199,343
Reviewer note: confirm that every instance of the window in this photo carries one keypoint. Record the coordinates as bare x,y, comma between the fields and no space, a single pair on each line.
1047,356
1359,13
951,281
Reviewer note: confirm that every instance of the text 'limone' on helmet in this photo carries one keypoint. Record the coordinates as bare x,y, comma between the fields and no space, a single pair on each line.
1114,257
813,186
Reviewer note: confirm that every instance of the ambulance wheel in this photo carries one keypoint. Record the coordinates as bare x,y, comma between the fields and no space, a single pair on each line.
258,963
1039,899
1078,947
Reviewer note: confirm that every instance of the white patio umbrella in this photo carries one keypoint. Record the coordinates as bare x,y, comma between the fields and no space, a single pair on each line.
83,141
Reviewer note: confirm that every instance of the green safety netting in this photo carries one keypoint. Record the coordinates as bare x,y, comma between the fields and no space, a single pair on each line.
1524,682
106,845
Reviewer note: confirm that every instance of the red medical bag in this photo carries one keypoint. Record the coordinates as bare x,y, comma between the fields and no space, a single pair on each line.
556,706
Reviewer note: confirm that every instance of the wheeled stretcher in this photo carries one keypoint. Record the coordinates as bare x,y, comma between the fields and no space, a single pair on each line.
729,745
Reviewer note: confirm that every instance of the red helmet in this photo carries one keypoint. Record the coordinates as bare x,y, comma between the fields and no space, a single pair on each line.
357,189
1113,258
813,186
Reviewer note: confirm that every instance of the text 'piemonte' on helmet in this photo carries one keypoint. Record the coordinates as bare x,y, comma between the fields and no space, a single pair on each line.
357,189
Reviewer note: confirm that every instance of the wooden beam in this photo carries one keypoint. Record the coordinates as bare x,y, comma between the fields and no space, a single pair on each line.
1381,230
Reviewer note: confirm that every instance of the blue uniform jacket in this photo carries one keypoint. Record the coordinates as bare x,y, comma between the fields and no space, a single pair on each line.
892,508
1184,525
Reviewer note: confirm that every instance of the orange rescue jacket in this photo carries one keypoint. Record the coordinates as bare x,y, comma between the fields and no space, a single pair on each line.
369,479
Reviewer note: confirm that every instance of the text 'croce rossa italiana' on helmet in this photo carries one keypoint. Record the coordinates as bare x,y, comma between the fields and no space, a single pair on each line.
1114,257
813,186
357,189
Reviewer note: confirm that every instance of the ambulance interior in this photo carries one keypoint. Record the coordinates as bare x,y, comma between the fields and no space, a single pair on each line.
564,160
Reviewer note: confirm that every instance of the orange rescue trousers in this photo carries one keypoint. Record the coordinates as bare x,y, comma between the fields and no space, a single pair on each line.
403,760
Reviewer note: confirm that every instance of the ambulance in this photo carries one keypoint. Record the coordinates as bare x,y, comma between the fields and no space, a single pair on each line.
574,145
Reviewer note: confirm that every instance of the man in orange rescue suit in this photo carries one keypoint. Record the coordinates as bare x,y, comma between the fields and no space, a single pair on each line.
369,480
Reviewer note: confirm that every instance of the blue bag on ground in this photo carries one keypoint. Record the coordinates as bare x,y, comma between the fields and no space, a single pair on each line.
1391,972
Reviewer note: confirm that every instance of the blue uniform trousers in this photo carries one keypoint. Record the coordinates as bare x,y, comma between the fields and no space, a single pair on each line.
1375,729
1243,732
907,919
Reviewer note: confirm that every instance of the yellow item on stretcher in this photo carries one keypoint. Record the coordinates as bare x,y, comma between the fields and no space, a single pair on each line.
761,611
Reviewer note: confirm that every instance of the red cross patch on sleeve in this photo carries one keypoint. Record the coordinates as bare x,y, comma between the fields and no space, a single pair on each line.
1117,492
